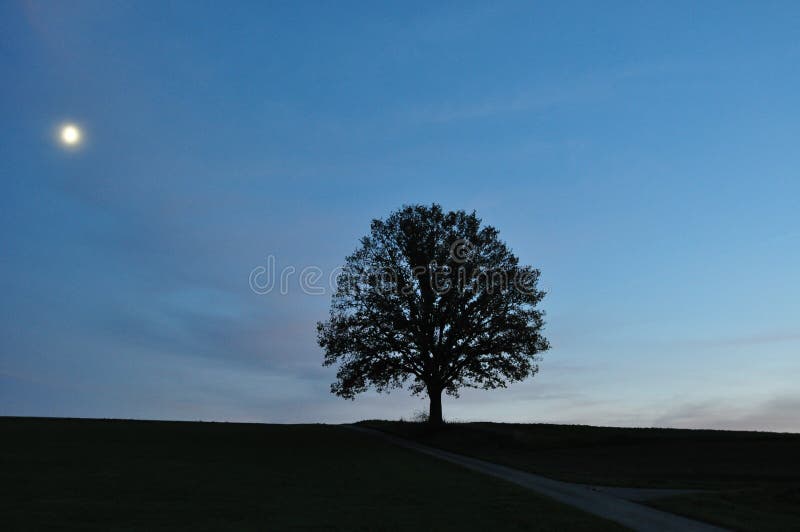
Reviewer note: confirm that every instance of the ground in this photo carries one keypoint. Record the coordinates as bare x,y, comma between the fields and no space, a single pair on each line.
752,478
145,475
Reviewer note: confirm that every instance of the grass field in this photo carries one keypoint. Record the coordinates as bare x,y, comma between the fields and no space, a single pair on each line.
753,477
143,475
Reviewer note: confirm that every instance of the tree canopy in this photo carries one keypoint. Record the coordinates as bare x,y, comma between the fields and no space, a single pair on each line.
436,301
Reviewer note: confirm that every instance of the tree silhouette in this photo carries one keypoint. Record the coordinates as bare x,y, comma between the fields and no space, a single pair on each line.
434,300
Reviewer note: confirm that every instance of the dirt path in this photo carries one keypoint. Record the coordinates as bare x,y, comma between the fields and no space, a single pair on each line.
614,504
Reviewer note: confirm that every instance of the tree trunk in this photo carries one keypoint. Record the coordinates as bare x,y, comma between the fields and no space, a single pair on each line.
435,415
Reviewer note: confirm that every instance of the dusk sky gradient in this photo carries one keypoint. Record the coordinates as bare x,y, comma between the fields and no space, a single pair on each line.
644,156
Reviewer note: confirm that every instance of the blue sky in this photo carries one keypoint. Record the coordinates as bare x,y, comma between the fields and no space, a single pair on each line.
644,157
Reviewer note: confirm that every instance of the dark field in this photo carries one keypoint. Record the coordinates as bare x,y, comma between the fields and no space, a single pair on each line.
753,477
147,475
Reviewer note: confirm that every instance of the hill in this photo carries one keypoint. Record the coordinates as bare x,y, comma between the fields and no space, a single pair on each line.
752,478
150,475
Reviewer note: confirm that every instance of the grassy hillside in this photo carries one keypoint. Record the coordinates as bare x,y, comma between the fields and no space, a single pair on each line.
621,456
754,477
136,475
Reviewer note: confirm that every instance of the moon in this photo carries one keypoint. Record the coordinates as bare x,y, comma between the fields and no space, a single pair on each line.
70,135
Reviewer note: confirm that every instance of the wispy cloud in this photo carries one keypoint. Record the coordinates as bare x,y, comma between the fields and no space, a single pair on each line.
778,413
453,22
517,102
769,337
538,96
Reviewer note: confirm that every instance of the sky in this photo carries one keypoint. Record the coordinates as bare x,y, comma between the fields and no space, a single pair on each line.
643,156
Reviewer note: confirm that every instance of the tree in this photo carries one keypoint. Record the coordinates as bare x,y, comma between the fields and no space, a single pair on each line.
434,300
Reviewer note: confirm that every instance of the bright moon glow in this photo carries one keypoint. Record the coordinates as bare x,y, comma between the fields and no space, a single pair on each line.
70,135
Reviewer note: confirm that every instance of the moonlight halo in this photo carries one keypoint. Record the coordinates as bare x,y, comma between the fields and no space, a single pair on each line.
70,135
